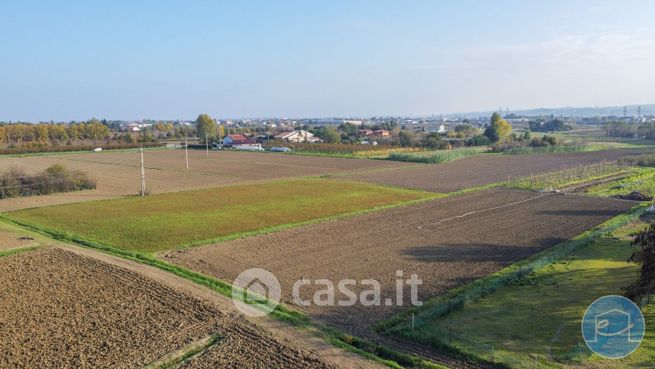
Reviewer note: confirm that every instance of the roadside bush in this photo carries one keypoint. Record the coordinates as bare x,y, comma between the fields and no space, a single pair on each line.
56,178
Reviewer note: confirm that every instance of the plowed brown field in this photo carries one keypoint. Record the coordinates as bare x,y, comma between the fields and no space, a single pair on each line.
118,173
485,169
63,310
446,242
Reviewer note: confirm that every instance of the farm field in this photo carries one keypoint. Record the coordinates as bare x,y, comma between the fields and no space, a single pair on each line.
446,242
485,169
61,309
165,221
118,174
506,321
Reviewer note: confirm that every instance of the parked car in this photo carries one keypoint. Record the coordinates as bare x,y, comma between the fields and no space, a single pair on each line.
280,149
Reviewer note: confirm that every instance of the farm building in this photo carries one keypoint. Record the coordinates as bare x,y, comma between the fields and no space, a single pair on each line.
232,140
297,136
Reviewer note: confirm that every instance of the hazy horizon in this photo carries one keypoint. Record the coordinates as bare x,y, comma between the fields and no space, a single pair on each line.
173,60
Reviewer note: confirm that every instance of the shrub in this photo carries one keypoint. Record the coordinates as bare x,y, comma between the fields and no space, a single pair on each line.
56,178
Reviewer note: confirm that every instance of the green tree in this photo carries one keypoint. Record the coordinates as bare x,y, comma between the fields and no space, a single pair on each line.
499,129
432,140
406,138
220,132
206,127
645,255
329,135
349,129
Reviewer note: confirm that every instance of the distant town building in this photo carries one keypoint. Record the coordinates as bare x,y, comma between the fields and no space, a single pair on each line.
297,136
236,139
372,133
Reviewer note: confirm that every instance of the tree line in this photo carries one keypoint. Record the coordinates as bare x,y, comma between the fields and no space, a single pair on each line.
17,134
630,130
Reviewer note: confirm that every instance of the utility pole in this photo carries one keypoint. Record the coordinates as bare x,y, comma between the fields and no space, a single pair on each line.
206,142
186,149
143,176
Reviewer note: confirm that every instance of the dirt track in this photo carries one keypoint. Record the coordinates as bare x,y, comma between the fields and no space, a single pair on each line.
60,309
484,169
118,173
414,239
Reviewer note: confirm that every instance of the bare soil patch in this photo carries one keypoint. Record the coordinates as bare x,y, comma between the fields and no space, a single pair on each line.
485,169
60,309
446,242
118,173
10,240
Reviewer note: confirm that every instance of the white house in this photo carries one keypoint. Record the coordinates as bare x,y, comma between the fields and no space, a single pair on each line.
297,136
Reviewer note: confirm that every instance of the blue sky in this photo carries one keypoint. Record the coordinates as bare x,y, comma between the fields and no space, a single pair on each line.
72,60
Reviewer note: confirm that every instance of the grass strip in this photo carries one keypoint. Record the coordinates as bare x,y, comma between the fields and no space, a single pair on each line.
457,297
176,358
18,250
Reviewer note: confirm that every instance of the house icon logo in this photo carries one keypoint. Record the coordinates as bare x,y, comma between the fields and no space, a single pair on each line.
256,292
613,327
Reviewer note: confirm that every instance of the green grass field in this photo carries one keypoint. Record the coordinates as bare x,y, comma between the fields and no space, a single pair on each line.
535,323
171,220
639,179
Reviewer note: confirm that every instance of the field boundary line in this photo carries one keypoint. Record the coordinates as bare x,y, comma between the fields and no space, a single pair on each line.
489,209
180,356
18,250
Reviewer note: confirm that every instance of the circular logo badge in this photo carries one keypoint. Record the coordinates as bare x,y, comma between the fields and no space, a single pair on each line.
613,327
256,292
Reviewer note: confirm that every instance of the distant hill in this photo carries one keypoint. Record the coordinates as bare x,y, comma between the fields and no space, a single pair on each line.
648,109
